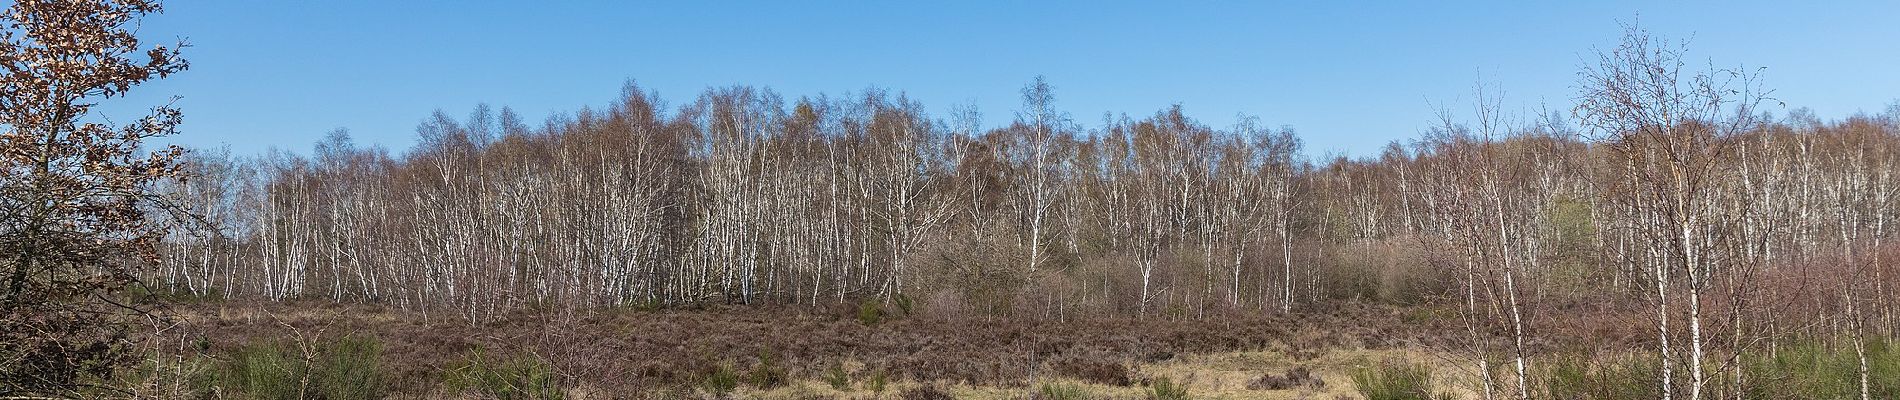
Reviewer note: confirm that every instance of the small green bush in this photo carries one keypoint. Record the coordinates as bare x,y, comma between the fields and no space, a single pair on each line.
343,369
1062,391
1620,378
350,369
1166,389
264,371
838,378
1396,381
870,312
521,378
720,381
165,377
905,304
767,374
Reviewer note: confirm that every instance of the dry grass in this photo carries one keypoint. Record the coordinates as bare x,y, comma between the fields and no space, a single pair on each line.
1207,376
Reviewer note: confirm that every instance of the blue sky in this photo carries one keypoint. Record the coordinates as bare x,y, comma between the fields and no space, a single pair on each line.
1348,76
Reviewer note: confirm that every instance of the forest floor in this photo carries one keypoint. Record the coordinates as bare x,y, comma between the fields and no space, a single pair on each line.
798,353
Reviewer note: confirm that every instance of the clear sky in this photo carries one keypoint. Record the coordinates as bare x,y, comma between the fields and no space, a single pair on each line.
1348,76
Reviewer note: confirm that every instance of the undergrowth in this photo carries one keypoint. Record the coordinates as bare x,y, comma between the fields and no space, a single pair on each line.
517,378
1165,389
1804,369
343,369
1396,380
1062,391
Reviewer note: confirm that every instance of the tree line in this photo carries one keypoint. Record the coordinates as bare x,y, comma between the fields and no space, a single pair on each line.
1664,190
1663,186
740,197
1661,189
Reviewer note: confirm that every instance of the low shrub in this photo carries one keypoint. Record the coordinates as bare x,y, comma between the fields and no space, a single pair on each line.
1618,378
1395,380
350,368
1166,389
870,312
343,369
837,377
926,392
1294,378
1803,369
1815,369
767,374
905,304
264,371
1062,391
168,377
1093,371
519,378
720,381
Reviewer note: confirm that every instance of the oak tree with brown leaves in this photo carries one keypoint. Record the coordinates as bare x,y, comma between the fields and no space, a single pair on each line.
77,193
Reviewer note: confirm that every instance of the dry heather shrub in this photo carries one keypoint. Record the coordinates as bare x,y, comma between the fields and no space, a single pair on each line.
985,273
837,377
635,352
926,392
1093,371
1294,378
767,374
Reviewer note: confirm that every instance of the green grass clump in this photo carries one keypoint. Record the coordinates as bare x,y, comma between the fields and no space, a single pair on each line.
165,377
1815,369
1062,391
720,381
1396,381
767,374
1806,369
837,377
350,368
1618,378
1166,389
520,378
343,369
877,382
905,304
265,371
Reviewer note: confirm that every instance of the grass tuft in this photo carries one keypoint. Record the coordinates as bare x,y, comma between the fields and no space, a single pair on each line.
1062,391
521,378
343,369
878,381
767,374
1395,380
838,378
1166,389
720,381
